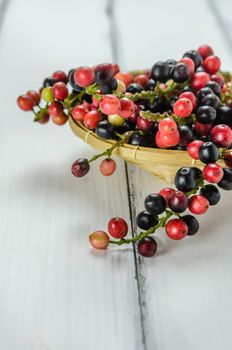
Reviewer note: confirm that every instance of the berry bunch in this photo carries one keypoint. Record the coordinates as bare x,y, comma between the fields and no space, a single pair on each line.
182,105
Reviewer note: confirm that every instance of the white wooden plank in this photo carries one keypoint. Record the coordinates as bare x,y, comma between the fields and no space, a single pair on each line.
55,292
186,289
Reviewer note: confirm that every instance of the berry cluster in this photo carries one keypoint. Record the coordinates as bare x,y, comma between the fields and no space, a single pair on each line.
182,105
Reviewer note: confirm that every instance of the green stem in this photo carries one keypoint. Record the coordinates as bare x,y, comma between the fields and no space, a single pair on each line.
109,151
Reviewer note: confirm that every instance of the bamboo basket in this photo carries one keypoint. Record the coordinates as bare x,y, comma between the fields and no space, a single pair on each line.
162,163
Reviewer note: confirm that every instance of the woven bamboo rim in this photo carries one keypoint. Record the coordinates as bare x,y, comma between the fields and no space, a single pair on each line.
162,163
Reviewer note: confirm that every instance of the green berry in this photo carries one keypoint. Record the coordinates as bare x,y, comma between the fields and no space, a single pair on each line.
47,94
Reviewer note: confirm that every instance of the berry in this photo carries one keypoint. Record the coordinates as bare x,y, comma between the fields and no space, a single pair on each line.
104,129
192,223
35,96
107,167
212,173
176,229
78,113
228,158
218,78
190,95
171,62
186,135
80,167
44,120
121,87
170,140
103,72
49,82
126,78
203,92
99,240
55,108
144,124
178,202
211,193
226,182
189,63
199,80
198,204
214,86
193,148
211,100
127,107
180,73
110,104
25,103
59,119
146,220
91,119
134,88
203,129
212,64
155,204
147,247
208,153
141,79
160,72
47,94
167,126
60,91
206,114
117,228
72,83
221,135
183,107
224,115
116,120
137,140
195,56
205,50
159,142
59,75
185,179
84,76
150,85
166,192
109,86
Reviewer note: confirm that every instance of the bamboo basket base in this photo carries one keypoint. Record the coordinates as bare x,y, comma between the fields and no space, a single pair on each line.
162,163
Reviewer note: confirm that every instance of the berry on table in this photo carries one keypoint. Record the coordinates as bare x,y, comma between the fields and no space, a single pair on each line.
127,107
147,247
183,107
192,223
79,112
212,173
91,119
55,108
107,167
186,135
167,126
155,203
99,240
221,135
117,228
104,129
176,229
199,80
190,95
25,103
145,220
80,167
193,148
212,64
60,91
116,120
198,204
144,124
208,153
110,104
84,76
212,193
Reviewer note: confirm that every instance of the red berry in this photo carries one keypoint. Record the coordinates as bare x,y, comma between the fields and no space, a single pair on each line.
193,148
107,167
147,247
159,142
110,104
60,91
117,228
144,124
80,167
84,76
178,201
79,112
167,126
141,79
183,107
35,96
205,50
199,80
127,107
212,64
189,62
55,108
228,158
166,192
176,229
198,204
44,120
115,68
218,78
91,119
127,78
25,103
213,173
59,75
190,95
203,129
170,140
60,119
99,240
221,135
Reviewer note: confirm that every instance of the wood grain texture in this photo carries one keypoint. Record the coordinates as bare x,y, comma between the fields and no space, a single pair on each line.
55,292
186,290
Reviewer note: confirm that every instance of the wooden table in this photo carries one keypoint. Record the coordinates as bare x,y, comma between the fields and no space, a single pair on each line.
57,293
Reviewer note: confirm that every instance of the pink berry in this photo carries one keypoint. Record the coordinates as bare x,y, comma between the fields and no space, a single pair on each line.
60,91
198,204
110,104
127,107
213,173
205,50
199,80
221,135
170,140
84,76
166,193
59,75
99,240
79,112
167,126
159,142
117,228
144,124
55,108
147,247
190,95
212,64
183,107
107,167
218,78
176,229
91,119
193,148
